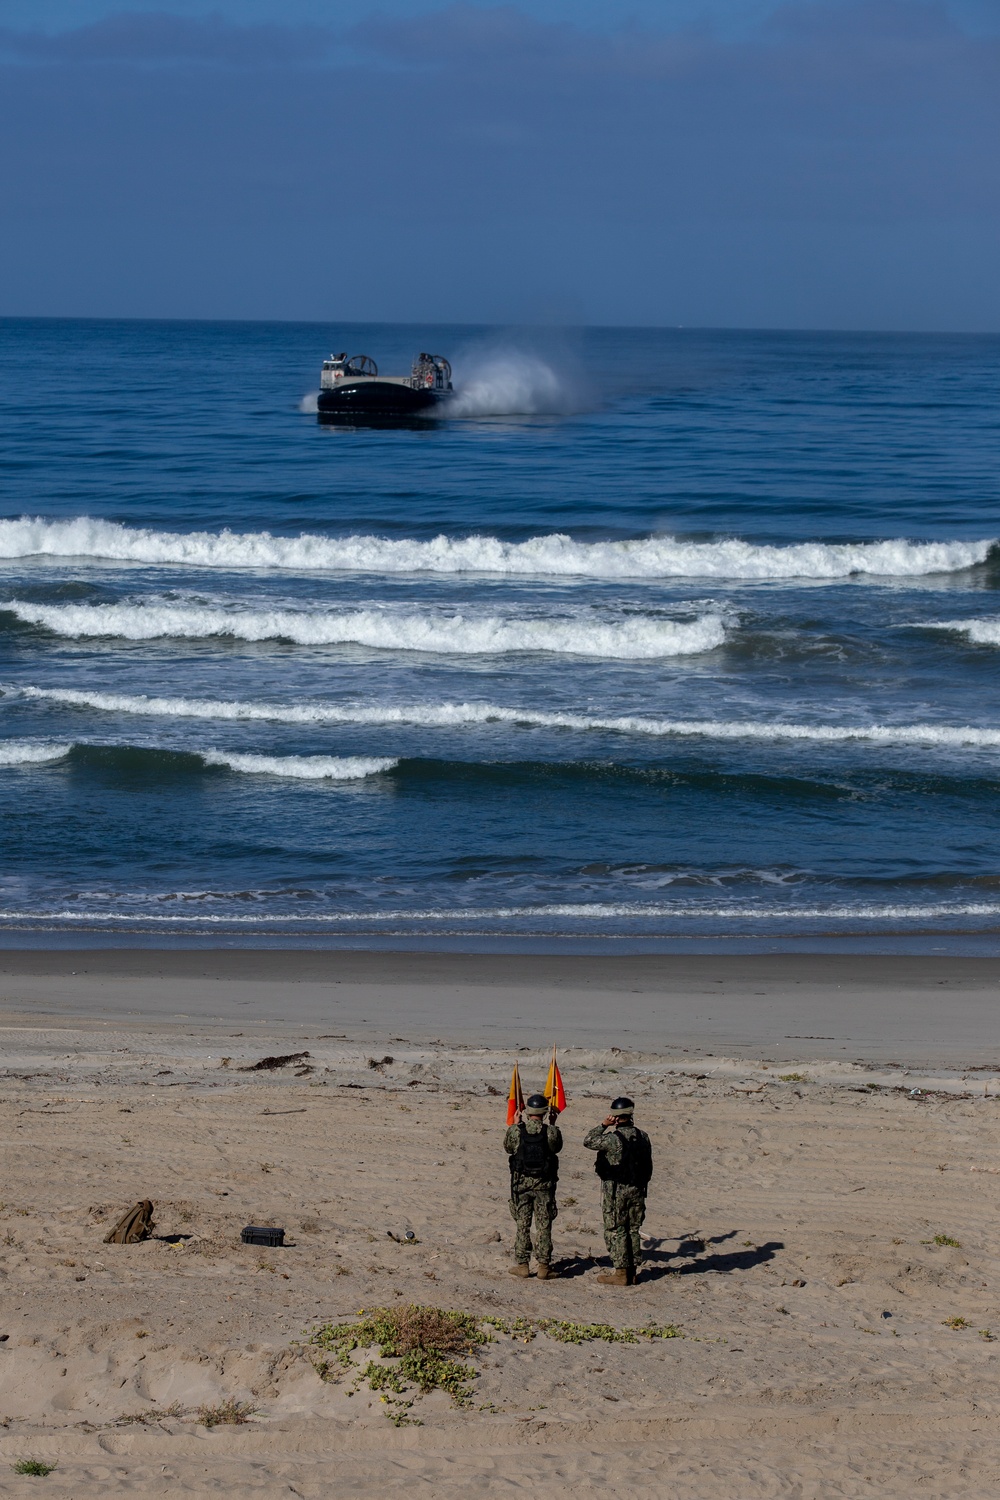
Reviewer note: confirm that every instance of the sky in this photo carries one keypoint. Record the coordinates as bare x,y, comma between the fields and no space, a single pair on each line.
717,163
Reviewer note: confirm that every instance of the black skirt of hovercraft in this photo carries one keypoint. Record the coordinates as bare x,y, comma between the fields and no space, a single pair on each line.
377,398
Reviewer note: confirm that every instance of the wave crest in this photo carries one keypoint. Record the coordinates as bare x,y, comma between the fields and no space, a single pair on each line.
638,637
30,752
979,632
452,715
554,555
301,767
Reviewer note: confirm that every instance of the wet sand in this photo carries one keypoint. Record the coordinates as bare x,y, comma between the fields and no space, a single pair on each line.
925,1010
819,1124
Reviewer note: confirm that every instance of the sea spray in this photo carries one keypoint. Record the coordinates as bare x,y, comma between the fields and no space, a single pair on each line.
509,383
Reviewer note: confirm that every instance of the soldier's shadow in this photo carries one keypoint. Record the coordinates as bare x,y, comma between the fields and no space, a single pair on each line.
578,1265
692,1251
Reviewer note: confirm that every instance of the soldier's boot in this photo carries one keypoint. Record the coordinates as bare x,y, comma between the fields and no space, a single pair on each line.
519,1269
544,1272
614,1278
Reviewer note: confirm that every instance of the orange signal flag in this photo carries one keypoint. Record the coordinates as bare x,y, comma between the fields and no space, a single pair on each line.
515,1099
554,1091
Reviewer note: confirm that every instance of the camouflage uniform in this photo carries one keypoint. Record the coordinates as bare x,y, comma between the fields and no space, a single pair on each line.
531,1198
623,1204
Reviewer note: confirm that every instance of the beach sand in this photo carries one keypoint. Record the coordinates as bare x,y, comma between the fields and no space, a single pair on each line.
821,1225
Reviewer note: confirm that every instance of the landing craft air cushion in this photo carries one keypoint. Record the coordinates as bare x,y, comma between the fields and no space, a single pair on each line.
354,387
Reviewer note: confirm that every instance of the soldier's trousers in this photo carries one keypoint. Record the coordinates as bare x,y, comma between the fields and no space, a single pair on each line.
624,1209
533,1200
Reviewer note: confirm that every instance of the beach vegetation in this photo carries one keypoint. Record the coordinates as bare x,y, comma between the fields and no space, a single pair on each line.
32,1466
946,1239
792,1078
428,1343
567,1332
150,1415
425,1341
957,1323
227,1414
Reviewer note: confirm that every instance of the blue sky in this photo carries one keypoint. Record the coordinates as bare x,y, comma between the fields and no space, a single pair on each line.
832,163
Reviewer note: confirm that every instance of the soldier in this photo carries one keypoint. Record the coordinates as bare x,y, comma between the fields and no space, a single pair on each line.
625,1165
533,1146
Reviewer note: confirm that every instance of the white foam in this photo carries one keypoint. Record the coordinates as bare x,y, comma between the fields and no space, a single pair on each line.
309,404
554,555
301,767
587,911
448,715
980,632
636,637
30,752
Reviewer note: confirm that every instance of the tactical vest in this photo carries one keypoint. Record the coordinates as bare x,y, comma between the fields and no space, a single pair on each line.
533,1157
636,1166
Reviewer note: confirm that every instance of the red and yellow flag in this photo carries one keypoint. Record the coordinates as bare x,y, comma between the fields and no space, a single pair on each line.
554,1091
515,1099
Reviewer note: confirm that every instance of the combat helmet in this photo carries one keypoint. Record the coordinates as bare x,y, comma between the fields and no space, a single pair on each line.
622,1105
536,1104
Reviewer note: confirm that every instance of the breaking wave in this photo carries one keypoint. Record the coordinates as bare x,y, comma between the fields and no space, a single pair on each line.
29,752
554,555
634,638
675,911
448,715
133,757
979,632
301,767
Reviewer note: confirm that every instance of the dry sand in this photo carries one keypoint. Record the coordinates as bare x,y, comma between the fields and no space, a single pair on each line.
791,1226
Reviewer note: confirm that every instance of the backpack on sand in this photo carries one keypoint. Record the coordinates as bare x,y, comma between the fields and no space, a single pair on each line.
133,1226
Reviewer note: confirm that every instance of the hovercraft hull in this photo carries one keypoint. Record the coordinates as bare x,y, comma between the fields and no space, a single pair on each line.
377,398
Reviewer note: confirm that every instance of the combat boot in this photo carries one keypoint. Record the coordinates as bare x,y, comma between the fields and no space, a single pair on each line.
614,1278
519,1269
543,1273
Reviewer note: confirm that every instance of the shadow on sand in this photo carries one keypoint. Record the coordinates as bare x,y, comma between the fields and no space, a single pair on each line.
695,1254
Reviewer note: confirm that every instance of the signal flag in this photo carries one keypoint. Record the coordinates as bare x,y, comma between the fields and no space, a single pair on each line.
515,1099
554,1091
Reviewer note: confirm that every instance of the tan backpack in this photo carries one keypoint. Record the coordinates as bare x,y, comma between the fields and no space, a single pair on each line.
133,1226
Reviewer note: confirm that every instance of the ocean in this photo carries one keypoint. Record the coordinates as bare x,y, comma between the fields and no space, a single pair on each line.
662,638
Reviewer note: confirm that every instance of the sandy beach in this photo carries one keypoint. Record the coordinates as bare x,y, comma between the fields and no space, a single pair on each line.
820,1236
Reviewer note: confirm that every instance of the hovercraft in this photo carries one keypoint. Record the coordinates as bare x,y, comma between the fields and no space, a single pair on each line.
354,387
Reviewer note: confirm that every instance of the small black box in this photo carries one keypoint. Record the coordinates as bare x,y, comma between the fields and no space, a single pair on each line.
253,1234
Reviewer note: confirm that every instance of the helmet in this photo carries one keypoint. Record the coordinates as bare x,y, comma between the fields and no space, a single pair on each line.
537,1104
622,1106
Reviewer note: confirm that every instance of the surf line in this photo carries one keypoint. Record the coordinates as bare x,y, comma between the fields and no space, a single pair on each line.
446,715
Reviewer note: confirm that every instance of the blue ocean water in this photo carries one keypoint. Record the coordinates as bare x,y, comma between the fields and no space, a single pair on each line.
661,635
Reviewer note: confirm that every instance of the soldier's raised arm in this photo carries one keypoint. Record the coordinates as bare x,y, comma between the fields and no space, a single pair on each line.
605,1138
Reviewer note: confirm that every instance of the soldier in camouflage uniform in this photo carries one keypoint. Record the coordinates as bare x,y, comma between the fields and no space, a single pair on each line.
624,1164
533,1145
